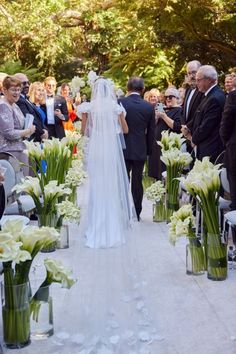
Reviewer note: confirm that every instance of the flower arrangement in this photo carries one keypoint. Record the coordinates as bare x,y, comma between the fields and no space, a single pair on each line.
68,211
170,140
155,192
45,198
55,273
19,245
74,178
203,182
175,161
57,155
75,84
182,223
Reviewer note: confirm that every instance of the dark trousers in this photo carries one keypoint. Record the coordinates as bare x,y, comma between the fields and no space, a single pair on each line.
232,188
2,200
135,174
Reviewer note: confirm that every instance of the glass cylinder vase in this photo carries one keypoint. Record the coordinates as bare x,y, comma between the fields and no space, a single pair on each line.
63,241
15,315
50,220
159,211
172,204
41,310
216,258
195,260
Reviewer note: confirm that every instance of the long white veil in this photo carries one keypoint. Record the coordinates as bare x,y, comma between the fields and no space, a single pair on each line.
110,209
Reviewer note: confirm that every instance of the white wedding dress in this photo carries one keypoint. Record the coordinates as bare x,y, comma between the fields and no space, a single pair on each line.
112,315
110,208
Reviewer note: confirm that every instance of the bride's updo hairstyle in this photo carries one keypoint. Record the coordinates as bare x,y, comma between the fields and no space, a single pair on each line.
103,89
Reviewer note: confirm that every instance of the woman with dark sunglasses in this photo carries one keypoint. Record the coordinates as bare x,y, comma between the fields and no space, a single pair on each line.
165,120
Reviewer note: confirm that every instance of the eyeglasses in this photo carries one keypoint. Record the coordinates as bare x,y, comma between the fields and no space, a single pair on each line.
24,83
200,79
191,73
169,97
13,90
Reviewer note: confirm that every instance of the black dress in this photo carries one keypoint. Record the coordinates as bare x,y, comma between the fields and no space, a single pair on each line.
155,165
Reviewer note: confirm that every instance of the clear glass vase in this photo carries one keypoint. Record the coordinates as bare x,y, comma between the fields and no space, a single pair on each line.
15,315
63,241
41,310
159,211
50,220
216,257
195,259
172,204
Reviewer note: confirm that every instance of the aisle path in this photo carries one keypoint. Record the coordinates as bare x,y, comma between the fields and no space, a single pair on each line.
194,315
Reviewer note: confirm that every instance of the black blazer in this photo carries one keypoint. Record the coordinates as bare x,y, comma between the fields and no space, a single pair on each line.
141,122
206,126
28,107
193,105
59,103
228,132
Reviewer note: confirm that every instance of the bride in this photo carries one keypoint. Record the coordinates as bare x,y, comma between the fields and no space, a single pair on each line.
109,205
110,312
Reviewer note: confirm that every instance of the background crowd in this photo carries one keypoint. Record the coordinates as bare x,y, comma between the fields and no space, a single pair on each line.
200,109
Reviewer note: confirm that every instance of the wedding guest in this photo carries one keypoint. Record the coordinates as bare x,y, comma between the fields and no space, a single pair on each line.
181,95
140,118
228,136
193,96
56,109
12,122
204,132
228,85
146,96
65,92
165,120
2,77
37,98
153,97
27,107
2,196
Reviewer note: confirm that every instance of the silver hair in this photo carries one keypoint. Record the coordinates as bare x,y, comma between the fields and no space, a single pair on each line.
195,63
172,91
208,72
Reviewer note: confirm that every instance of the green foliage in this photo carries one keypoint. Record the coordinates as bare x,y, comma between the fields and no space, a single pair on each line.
154,39
12,68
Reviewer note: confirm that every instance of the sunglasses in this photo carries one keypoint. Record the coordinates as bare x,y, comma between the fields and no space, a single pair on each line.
24,83
170,97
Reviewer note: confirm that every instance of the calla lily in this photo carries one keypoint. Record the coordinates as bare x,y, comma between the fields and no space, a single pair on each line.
57,273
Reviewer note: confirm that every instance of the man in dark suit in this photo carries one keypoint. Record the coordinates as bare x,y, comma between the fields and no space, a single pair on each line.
193,96
56,109
141,122
228,136
27,107
204,132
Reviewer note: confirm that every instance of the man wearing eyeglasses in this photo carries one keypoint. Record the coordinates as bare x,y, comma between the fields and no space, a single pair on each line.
204,132
27,107
56,109
192,100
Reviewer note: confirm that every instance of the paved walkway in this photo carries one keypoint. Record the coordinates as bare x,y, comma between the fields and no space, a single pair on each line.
194,315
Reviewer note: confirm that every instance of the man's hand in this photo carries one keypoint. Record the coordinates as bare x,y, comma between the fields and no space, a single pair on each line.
45,134
58,114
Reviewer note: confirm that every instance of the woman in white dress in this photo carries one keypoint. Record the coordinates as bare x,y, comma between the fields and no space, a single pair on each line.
109,205
109,308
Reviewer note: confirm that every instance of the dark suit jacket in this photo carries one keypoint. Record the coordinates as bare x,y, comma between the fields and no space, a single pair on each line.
28,107
193,105
59,103
228,132
205,131
141,122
